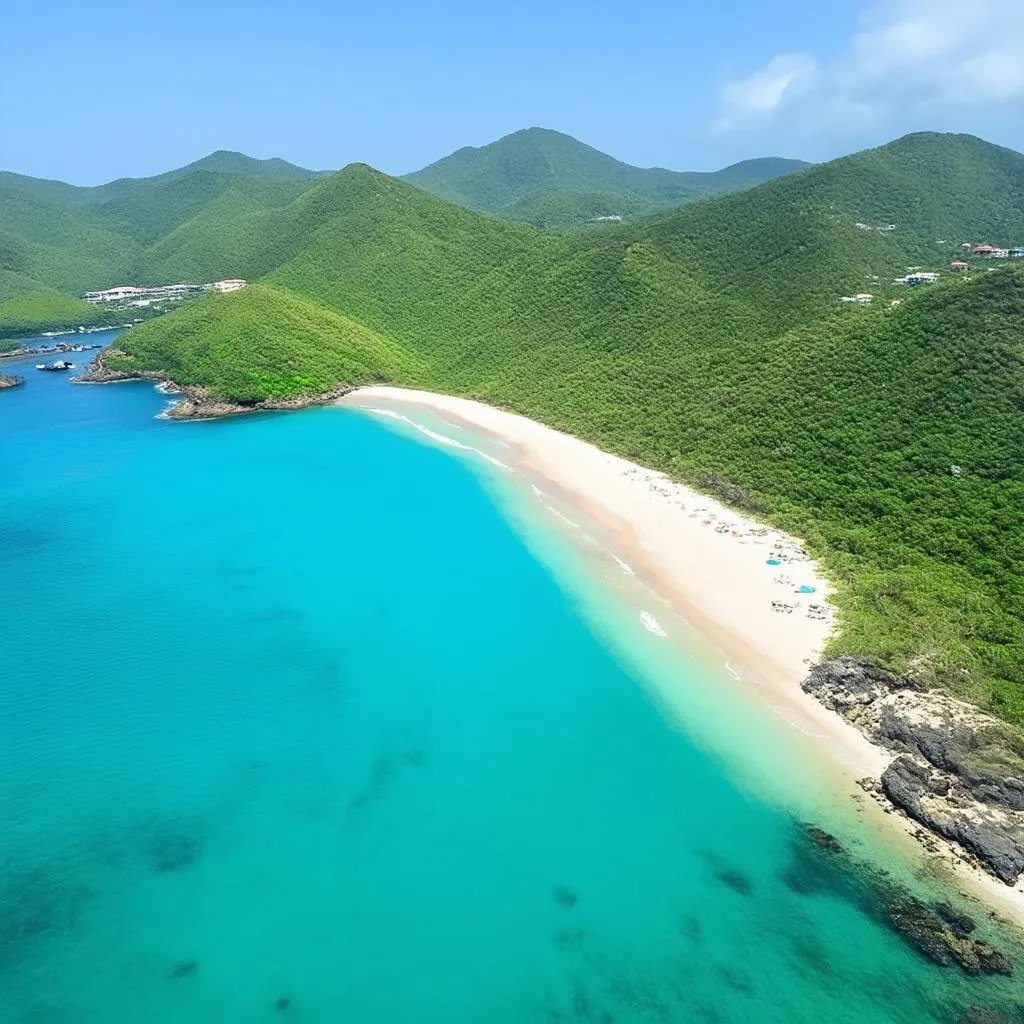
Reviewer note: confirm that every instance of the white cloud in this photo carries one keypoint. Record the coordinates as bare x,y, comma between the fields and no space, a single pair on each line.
911,60
764,90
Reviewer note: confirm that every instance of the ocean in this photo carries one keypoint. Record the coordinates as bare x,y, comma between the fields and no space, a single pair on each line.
305,719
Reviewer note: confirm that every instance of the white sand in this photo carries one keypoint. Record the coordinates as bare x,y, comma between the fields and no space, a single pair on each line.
708,562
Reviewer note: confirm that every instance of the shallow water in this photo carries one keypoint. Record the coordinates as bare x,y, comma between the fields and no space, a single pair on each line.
294,725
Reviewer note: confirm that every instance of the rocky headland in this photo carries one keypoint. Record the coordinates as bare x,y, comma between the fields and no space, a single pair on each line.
10,381
956,771
197,403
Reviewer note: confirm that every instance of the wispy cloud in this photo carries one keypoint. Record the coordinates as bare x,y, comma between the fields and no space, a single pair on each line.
910,60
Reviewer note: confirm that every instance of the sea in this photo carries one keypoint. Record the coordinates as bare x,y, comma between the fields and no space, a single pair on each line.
306,717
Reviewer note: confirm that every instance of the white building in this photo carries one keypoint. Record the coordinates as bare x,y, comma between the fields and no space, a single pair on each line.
118,294
230,285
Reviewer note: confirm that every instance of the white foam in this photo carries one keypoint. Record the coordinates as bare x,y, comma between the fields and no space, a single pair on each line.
440,438
624,566
652,624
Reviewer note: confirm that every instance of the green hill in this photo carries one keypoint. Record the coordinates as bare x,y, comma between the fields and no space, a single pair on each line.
709,341
263,342
190,224
22,315
552,180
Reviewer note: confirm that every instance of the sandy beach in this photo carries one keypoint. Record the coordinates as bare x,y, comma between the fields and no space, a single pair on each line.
706,560
712,565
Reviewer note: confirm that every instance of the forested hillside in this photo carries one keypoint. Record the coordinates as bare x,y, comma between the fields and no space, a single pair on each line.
204,221
58,237
709,339
552,180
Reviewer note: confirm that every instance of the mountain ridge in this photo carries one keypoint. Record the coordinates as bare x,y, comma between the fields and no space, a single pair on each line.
530,164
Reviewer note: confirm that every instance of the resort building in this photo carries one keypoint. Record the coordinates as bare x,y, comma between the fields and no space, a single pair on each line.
121,293
958,266
144,296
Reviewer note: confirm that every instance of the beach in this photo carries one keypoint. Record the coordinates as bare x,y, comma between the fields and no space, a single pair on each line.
709,562
711,565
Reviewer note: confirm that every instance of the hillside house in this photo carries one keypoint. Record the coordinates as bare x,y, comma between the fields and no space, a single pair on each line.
958,266
919,277
232,284
985,251
1017,254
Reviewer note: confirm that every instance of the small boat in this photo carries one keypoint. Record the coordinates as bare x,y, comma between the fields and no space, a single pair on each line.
61,364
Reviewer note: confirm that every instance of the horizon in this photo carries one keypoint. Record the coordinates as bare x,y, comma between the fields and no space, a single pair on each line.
403,87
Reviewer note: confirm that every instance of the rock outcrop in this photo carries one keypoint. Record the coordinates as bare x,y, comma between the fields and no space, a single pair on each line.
10,381
200,404
958,771
931,936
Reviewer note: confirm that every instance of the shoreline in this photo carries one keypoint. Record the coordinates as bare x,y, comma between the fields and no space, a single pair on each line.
197,403
671,538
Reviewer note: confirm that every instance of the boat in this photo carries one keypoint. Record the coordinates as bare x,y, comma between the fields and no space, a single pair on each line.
61,364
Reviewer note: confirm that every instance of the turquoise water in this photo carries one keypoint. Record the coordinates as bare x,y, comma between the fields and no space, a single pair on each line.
295,726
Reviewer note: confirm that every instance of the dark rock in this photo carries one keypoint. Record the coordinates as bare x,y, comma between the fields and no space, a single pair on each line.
996,839
735,880
923,929
183,969
823,839
959,924
564,897
985,756
985,1015
845,682
282,1004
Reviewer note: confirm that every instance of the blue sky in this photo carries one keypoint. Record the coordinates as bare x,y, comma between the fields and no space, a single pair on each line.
90,92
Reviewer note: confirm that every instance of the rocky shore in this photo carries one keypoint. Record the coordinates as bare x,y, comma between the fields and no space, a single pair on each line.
200,404
8,381
956,771
943,933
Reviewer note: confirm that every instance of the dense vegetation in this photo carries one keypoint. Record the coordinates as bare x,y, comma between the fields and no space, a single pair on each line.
552,180
292,344
204,221
27,314
707,340
58,237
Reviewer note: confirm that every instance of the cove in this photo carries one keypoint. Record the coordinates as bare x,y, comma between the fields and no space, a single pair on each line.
296,725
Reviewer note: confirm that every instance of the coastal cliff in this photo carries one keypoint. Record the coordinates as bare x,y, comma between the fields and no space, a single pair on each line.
957,771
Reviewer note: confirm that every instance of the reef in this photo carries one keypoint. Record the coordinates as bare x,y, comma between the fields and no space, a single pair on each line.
171,851
735,880
940,932
957,771
564,897
36,903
